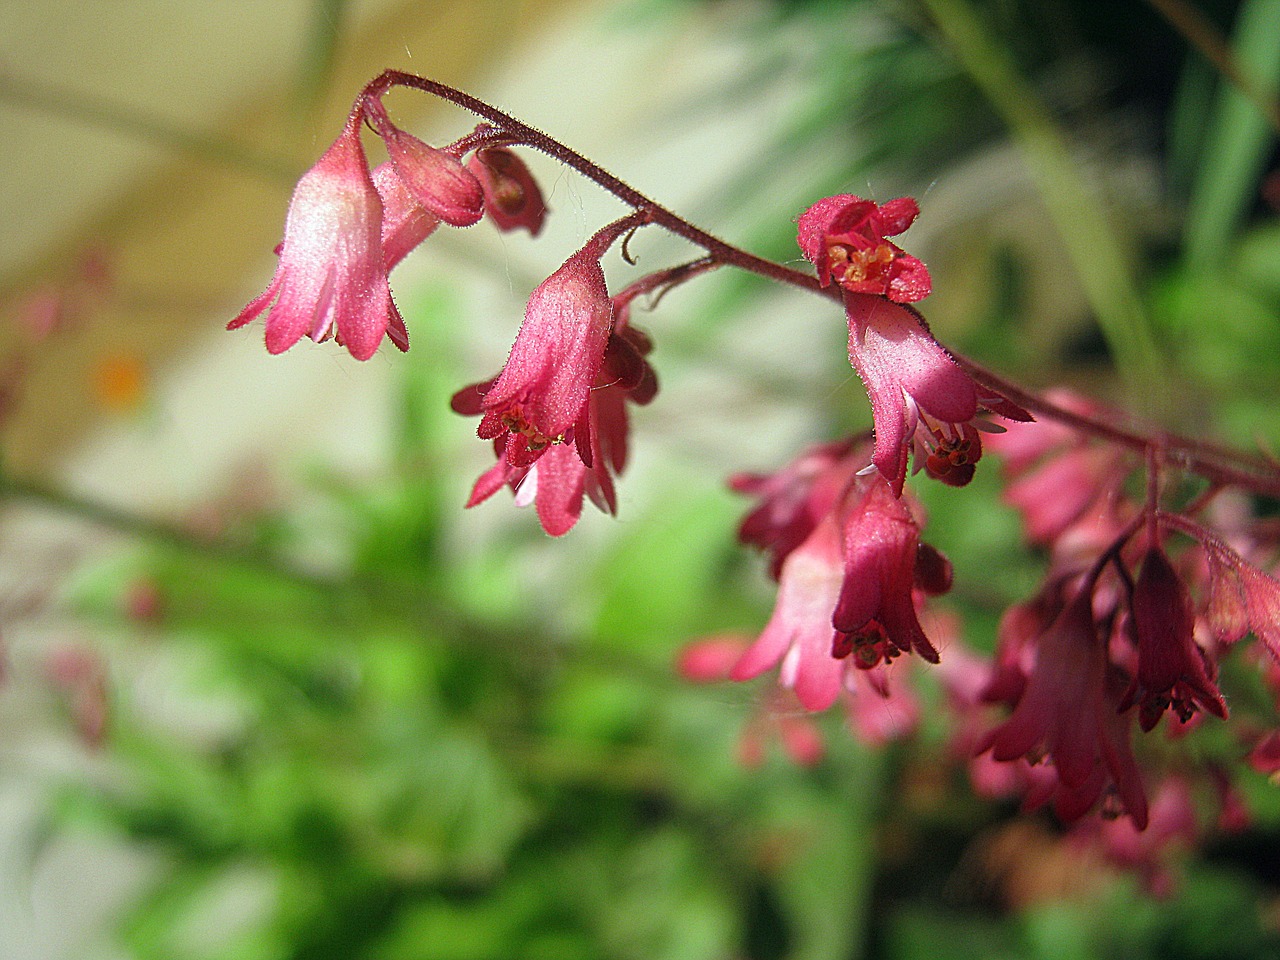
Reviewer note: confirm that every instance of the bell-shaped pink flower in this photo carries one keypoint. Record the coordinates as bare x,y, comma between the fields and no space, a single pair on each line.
557,480
511,195
552,367
876,607
332,276
920,398
436,178
844,237
1173,672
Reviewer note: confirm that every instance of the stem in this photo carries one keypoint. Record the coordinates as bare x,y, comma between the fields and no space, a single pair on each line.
531,137
1217,464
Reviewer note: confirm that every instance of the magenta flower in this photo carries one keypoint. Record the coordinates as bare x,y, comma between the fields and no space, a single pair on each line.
1068,713
1173,672
558,479
552,367
511,195
332,277
920,398
844,237
846,592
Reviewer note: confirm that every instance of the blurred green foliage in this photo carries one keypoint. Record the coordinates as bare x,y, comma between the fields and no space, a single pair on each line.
427,752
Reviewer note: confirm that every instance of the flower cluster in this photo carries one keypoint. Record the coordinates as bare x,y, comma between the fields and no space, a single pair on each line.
850,568
557,413
348,226
1144,597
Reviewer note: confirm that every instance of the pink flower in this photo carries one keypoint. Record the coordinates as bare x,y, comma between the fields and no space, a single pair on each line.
332,277
552,367
1173,672
920,398
876,609
844,237
405,222
1068,713
511,195
436,178
846,591
558,411
800,634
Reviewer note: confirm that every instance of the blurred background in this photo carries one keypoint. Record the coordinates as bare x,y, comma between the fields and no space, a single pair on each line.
269,692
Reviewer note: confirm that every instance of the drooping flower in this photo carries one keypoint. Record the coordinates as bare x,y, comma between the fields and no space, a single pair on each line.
553,363
558,479
511,195
845,238
800,635
332,276
557,412
1173,672
846,591
436,178
920,398
876,608
1068,713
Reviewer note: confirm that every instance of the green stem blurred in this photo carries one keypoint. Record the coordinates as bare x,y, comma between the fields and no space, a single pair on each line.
81,106
1238,141
1096,252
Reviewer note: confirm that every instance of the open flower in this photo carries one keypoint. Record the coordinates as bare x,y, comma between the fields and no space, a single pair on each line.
553,363
332,277
564,473
844,237
876,608
920,398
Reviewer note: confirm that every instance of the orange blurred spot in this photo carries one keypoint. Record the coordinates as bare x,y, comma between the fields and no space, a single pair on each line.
120,382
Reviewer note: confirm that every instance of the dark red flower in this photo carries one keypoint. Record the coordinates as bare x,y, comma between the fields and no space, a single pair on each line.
1173,672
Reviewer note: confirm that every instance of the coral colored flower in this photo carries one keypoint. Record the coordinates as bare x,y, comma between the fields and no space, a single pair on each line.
511,195
1068,713
844,237
920,398
436,178
332,277
546,377
1173,672
846,592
